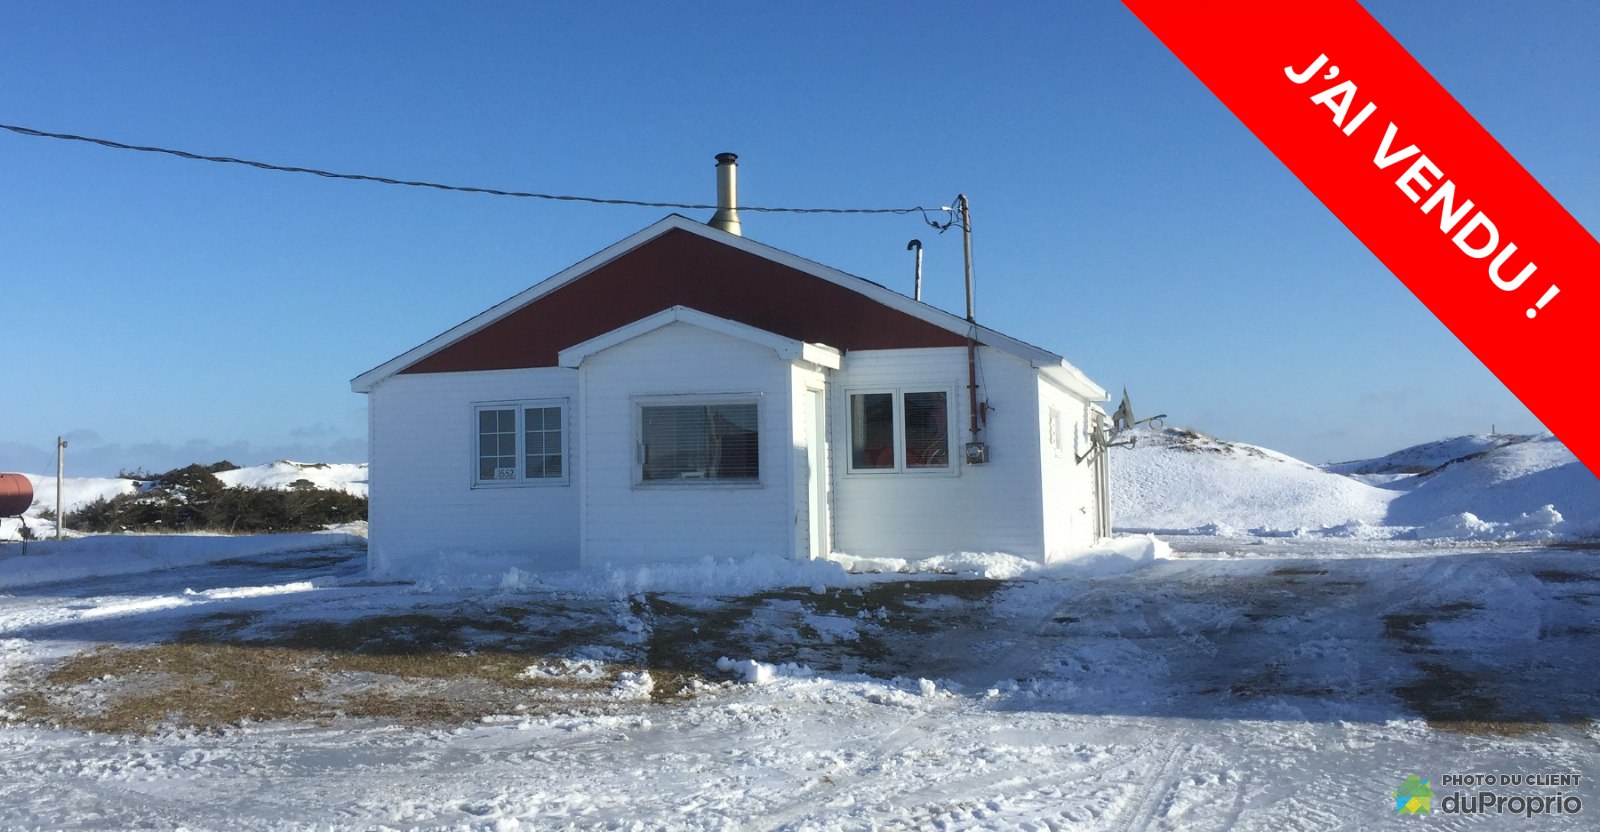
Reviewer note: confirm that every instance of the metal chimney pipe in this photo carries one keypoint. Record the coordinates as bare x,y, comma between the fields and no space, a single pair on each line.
727,216
916,286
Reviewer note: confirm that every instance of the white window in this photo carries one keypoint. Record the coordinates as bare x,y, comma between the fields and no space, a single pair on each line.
520,443
699,440
1057,441
902,429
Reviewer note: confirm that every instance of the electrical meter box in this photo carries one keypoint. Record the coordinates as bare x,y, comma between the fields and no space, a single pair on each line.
977,453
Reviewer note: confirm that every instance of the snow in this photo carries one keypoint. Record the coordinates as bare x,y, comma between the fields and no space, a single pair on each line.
350,478
1175,479
1107,558
1485,488
1199,692
1504,485
1281,654
1418,459
97,556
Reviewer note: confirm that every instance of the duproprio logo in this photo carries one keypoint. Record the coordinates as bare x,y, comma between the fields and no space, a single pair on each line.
1414,797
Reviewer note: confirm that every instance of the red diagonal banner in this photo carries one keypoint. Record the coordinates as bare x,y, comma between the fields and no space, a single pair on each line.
1417,179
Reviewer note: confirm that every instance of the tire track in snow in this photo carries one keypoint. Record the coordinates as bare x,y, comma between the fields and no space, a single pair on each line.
1158,794
1019,788
1023,653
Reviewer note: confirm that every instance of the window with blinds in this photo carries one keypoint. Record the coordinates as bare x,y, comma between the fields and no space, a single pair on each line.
927,429
700,442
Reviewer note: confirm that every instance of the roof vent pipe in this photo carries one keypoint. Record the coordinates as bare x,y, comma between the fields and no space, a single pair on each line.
727,216
916,286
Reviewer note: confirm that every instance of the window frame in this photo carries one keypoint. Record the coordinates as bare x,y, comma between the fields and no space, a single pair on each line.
899,392
520,432
694,400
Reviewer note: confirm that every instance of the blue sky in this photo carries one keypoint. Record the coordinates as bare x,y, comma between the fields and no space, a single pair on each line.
161,312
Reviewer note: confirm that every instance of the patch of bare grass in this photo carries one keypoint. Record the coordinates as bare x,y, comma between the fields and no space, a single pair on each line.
413,668
142,689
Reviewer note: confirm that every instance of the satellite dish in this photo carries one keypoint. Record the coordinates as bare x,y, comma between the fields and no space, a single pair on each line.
1123,419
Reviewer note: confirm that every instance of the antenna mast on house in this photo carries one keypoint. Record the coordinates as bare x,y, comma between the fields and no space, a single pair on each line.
977,451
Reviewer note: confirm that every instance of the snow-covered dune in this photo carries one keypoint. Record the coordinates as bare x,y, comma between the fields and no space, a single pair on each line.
1176,479
1485,487
75,491
1512,484
348,477
1418,459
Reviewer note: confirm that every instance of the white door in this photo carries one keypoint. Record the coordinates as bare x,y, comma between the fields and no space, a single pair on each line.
817,467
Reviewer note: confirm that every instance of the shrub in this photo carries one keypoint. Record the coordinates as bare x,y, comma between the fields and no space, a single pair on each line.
193,499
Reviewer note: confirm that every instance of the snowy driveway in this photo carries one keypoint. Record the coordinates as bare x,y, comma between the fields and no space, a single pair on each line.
1249,685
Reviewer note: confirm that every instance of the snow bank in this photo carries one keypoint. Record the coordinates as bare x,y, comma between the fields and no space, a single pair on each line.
994,565
753,672
1110,557
50,561
1107,558
1539,525
707,576
710,576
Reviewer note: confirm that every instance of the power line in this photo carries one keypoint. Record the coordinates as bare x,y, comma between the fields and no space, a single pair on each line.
384,180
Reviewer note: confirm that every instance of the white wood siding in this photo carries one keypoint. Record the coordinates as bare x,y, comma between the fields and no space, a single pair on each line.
625,523
426,517
994,507
1067,485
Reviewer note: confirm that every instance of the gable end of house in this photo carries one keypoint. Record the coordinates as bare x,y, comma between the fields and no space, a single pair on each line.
679,268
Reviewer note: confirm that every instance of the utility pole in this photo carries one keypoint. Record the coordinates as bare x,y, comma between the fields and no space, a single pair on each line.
61,451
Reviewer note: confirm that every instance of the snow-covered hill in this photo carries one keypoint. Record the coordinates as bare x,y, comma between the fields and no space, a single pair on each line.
1177,479
1422,458
1511,484
348,477
1472,487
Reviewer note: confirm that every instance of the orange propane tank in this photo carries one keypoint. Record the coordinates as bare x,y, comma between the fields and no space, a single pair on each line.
16,494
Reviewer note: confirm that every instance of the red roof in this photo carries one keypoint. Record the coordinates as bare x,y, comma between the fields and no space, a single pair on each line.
679,268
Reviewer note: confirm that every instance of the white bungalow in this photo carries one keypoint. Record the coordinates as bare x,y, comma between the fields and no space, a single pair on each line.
689,393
